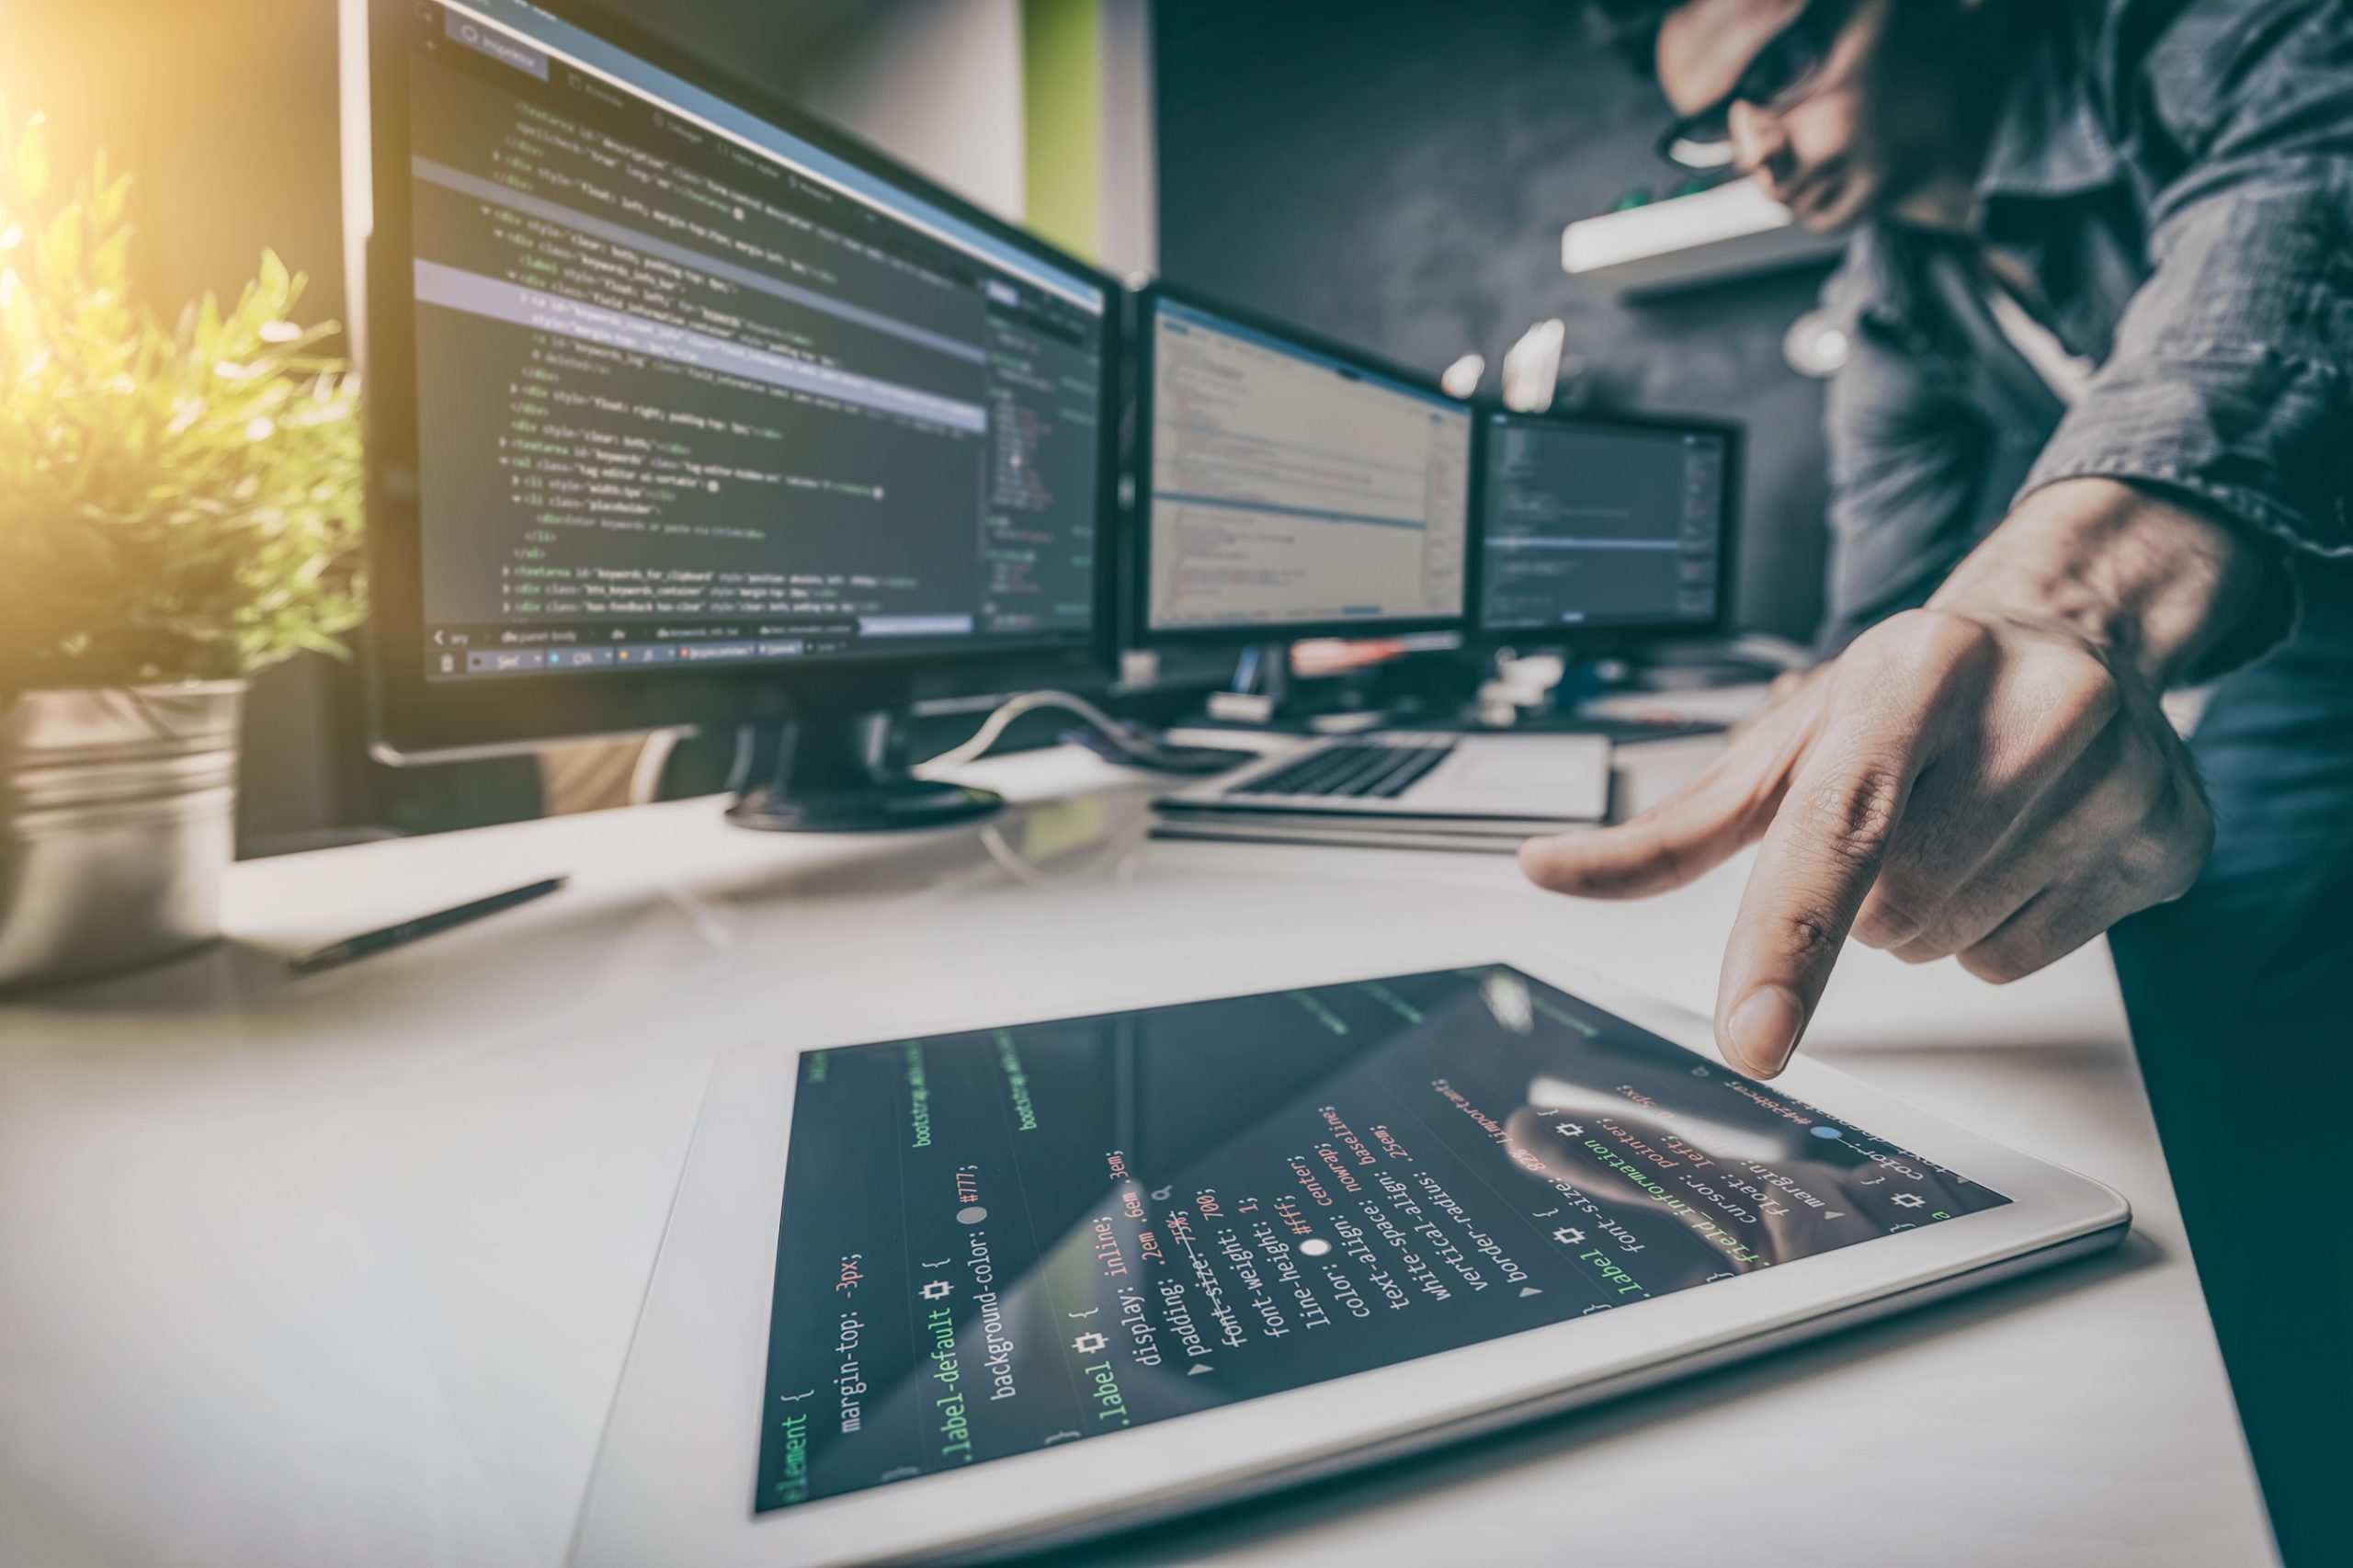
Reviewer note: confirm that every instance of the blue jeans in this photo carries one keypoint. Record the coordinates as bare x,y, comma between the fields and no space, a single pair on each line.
2238,997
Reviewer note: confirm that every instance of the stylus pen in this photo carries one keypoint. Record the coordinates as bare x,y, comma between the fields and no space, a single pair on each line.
369,943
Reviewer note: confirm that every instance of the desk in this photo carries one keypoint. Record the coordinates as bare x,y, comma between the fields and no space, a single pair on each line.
340,1273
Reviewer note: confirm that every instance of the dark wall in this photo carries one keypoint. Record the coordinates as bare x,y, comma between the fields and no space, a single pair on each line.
1397,174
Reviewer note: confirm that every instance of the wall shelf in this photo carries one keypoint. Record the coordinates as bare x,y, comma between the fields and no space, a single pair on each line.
1734,231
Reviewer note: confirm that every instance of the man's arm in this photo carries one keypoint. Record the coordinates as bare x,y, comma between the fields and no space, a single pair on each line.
2230,380
1989,776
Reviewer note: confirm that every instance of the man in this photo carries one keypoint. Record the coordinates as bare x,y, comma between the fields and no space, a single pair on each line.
2093,440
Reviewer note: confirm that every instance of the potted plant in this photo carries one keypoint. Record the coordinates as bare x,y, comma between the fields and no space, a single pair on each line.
179,508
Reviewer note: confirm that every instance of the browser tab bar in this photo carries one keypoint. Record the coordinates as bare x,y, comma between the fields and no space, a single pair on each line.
496,44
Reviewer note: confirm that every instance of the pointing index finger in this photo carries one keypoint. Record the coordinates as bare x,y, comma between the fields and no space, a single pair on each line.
1820,856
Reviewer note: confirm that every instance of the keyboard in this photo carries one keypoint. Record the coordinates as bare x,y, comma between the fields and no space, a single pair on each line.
1369,770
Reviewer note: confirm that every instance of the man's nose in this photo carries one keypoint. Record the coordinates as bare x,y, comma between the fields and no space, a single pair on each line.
1761,147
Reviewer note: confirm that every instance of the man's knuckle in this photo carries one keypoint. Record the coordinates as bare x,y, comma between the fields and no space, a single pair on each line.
1877,928
1916,643
1853,814
1933,938
1953,641
2165,852
2082,693
1809,936
2193,816
2197,843
2186,860
1995,963
1898,911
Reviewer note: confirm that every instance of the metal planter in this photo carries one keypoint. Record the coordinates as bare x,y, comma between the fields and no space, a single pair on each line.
117,823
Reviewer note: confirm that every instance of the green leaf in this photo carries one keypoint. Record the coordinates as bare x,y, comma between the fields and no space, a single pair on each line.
110,263
158,520
109,197
61,249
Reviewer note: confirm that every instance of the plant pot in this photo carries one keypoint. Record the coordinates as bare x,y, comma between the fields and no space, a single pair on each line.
117,823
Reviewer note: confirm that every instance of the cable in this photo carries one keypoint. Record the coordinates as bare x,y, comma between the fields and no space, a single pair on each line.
997,722
653,759
739,768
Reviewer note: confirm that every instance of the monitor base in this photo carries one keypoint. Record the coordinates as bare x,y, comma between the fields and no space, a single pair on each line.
1267,698
844,774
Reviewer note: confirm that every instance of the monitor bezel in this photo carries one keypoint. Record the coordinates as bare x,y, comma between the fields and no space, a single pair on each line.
1143,634
413,718
1584,634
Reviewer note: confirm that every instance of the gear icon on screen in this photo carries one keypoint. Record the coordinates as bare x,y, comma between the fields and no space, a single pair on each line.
1569,1236
1089,1343
936,1291
1910,1201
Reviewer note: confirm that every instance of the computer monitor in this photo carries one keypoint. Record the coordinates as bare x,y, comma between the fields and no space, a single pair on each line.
687,409
1602,527
1290,487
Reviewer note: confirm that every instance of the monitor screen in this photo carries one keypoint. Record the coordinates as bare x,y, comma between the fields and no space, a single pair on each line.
1592,524
694,390
1291,490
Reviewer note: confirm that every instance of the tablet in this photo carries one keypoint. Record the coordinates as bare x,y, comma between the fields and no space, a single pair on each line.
1003,1287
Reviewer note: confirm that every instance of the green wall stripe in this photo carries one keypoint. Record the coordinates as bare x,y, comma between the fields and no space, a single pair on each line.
1062,121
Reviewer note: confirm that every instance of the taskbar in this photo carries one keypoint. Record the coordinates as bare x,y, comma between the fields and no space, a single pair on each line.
462,653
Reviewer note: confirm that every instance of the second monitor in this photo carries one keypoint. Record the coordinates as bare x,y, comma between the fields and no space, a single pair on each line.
1293,488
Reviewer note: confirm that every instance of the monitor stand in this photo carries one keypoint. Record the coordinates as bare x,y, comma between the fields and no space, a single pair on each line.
844,773
1267,698
1561,713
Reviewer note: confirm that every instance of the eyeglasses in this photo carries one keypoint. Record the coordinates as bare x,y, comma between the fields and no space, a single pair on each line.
1780,73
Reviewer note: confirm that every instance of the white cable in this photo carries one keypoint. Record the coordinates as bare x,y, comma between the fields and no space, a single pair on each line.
652,758
1029,702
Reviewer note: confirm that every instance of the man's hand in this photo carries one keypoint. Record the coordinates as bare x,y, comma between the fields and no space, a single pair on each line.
1990,776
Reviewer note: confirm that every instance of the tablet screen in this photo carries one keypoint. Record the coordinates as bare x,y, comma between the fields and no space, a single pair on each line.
998,1242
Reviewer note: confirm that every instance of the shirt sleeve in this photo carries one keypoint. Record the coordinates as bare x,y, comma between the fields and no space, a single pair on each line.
1908,484
2231,378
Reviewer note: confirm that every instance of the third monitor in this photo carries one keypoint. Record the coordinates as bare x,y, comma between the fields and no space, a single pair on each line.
1608,525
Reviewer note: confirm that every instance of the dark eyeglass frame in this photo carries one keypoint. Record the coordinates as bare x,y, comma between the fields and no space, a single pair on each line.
1779,74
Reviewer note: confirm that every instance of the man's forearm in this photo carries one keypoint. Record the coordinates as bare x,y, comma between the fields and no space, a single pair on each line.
2157,585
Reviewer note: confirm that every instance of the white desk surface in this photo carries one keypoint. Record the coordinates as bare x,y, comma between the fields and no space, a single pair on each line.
340,1272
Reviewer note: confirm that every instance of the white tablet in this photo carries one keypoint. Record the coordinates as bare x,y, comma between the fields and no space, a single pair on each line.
941,1297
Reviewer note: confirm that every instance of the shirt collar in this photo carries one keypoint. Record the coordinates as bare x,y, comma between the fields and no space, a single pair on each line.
2048,142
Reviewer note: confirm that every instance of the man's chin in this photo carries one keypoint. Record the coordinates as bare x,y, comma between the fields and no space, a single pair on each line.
1838,212
1832,223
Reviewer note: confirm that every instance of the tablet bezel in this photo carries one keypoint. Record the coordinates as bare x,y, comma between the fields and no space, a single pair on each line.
676,1473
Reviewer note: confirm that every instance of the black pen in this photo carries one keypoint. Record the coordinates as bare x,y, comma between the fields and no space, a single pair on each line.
371,942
